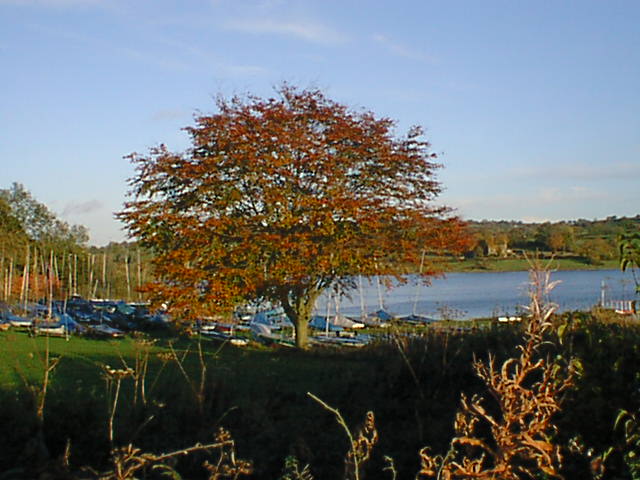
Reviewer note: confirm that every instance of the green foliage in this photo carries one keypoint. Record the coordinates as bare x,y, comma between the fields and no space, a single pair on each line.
596,250
259,396
9,224
629,249
629,423
292,470
13,237
40,224
37,246
589,241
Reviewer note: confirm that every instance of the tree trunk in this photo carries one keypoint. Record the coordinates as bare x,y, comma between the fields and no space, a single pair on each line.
298,307
302,332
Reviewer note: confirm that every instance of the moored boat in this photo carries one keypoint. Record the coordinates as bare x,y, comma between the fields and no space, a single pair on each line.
52,329
103,330
339,339
416,319
224,332
17,321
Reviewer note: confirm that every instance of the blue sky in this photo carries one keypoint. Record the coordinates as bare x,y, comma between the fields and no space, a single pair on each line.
534,106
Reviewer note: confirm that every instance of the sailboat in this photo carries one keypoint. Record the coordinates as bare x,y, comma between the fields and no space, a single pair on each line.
336,322
380,318
337,330
414,318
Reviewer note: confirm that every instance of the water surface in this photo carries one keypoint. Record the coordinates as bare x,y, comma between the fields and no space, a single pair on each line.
476,295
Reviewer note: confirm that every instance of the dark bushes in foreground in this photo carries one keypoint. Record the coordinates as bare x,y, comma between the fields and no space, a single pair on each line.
260,397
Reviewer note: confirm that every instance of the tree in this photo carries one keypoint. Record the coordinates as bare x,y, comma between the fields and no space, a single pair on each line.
629,251
12,236
556,240
39,222
595,250
278,199
558,237
9,224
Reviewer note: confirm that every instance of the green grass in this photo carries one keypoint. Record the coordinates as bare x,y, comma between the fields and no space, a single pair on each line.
255,392
259,395
21,359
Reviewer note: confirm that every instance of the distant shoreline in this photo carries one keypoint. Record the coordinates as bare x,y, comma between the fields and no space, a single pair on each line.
520,264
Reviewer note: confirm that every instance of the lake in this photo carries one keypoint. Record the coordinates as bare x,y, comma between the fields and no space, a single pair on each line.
476,295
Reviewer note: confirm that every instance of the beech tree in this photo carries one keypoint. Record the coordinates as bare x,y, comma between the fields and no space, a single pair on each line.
279,198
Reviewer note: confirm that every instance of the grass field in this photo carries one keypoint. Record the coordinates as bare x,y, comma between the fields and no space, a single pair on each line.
255,392
260,395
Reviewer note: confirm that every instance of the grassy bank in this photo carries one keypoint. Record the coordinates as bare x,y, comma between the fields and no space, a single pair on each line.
489,264
260,395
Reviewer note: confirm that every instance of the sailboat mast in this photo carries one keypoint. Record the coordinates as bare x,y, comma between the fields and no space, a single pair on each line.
25,279
126,268
75,274
363,311
104,273
379,286
139,274
326,318
92,264
36,284
415,299
50,277
10,284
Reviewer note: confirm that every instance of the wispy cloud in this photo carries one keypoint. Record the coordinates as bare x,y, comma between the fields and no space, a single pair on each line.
541,196
81,208
183,56
53,3
582,171
164,62
170,114
241,70
305,30
399,49
541,204
555,195
193,59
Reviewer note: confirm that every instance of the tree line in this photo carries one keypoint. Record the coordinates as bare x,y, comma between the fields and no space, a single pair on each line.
43,256
592,241
32,235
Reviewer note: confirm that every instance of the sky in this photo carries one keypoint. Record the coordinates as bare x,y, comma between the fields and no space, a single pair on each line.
533,107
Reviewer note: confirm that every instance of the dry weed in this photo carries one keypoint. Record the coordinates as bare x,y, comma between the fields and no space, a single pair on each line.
361,445
527,392
129,462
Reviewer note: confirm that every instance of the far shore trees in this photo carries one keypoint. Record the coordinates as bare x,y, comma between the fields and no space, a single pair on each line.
280,198
40,223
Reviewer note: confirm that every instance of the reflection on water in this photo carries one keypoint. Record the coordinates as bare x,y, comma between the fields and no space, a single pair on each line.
475,295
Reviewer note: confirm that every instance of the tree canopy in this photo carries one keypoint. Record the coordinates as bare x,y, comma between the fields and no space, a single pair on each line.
280,198
12,234
40,223
629,247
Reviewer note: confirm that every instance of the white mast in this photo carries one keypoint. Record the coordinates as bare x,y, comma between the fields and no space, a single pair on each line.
415,300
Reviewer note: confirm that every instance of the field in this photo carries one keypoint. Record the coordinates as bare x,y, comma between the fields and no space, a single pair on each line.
259,395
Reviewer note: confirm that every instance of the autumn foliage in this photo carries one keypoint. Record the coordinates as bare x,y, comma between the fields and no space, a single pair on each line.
279,198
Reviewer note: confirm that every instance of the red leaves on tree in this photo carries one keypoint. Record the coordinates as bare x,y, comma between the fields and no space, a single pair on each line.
278,198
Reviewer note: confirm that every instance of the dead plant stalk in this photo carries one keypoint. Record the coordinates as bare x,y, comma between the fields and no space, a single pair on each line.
527,391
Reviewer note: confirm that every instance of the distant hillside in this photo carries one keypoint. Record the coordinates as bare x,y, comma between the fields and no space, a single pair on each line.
591,241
